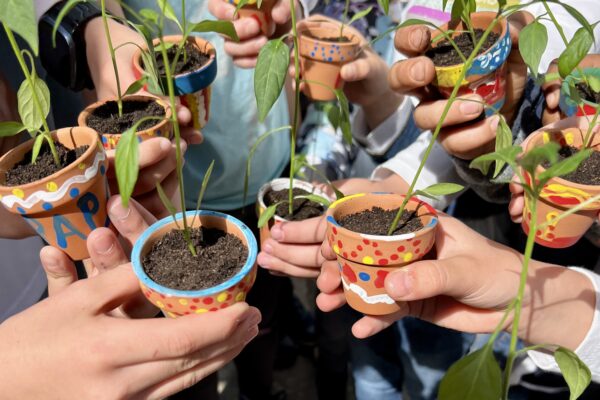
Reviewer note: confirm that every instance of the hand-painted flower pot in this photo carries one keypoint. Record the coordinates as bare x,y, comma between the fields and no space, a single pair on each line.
66,206
262,15
321,61
192,88
275,185
175,303
162,128
559,195
487,75
567,105
366,260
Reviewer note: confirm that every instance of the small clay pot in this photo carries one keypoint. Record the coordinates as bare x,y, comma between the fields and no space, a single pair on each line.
321,61
280,184
487,75
163,128
570,108
262,15
192,88
65,207
366,260
559,195
176,303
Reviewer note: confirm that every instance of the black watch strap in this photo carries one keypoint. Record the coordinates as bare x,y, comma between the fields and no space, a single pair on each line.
67,62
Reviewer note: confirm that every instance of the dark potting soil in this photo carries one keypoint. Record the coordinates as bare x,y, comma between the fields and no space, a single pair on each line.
588,172
303,208
194,59
220,256
586,93
444,54
377,221
334,39
105,119
25,172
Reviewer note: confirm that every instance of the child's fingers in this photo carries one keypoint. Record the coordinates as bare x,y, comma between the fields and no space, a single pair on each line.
60,270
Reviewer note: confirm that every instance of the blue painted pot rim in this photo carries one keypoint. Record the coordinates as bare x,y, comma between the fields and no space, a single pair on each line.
234,280
568,106
194,81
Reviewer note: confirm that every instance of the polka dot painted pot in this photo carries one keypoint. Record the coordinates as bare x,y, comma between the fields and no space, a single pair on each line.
321,61
192,88
261,15
569,107
366,260
487,76
175,303
66,206
559,195
110,140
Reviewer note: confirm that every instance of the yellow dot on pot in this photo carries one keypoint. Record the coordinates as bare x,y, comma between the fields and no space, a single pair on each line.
81,166
222,297
201,311
408,257
160,304
183,302
368,260
241,296
336,249
52,186
546,137
19,193
569,138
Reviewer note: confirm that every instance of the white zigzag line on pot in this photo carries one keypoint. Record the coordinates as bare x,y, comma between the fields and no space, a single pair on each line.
50,197
362,293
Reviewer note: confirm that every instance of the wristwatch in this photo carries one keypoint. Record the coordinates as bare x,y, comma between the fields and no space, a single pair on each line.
67,61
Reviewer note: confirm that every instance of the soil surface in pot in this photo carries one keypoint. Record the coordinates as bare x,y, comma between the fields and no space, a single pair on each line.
333,39
303,208
586,93
220,256
105,119
588,172
25,172
193,60
377,221
444,54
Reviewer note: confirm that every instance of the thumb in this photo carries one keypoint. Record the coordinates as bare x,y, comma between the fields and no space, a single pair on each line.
281,12
59,269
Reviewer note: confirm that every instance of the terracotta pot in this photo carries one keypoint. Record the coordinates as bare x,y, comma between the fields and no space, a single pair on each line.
262,15
66,206
570,108
175,303
110,139
192,88
321,61
366,260
280,184
487,75
559,195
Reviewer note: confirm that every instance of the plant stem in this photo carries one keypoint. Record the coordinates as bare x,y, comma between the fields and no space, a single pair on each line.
34,94
293,131
112,57
346,8
588,136
438,128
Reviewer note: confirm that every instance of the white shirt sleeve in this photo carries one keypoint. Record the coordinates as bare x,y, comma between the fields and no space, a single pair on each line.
589,349
42,6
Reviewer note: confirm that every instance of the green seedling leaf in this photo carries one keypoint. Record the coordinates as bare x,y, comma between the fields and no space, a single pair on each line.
501,4
574,93
504,140
441,189
10,128
37,145
577,49
594,83
574,371
507,155
565,166
150,15
333,114
29,113
241,4
360,15
168,12
223,27
61,15
205,181
126,163
457,9
444,4
344,123
536,156
533,40
315,198
267,215
385,5
136,86
166,201
269,76
19,17
166,45
474,377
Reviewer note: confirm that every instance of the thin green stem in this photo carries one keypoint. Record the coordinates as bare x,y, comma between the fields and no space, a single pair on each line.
294,129
588,136
112,56
345,19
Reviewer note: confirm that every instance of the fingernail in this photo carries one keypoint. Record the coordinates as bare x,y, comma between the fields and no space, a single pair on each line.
349,72
250,334
398,284
417,72
416,38
470,108
494,122
165,144
267,248
551,99
277,232
118,212
263,260
103,244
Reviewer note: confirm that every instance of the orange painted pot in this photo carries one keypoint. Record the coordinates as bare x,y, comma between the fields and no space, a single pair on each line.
65,207
560,195
163,128
366,260
321,61
192,88
261,15
176,303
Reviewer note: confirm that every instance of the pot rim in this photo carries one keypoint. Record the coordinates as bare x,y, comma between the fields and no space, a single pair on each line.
251,3
328,26
138,269
404,236
84,115
94,147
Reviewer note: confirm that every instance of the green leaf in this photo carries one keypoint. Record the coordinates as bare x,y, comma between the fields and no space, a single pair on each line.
360,15
61,15
474,377
594,83
19,16
150,15
166,45
241,4
267,215
205,181
344,122
457,9
538,155
533,40
223,27
333,114
385,5
565,166
126,163
136,86
576,373
442,189
574,93
269,76
501,4
166,201
315,198
577,49
37,145
28,111
10,128
168,11
504,140
507,155
444,4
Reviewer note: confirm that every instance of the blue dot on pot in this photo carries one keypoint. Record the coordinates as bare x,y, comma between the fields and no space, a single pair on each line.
102,170
74,193
312,54
47,206
330,59
20,210
364,276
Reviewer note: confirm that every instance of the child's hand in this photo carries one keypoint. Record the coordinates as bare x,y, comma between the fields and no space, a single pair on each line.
517,201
